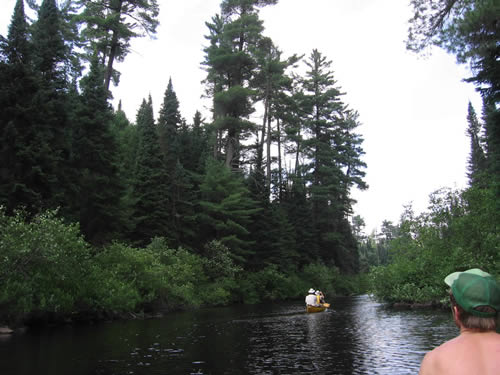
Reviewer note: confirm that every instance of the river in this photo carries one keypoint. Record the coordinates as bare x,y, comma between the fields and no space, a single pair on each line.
356,335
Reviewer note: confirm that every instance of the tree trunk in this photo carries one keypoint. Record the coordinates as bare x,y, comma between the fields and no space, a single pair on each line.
260,145
113,47
230,148
297,155
268,166
280,174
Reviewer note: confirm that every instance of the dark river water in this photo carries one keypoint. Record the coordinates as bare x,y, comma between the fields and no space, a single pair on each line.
355,336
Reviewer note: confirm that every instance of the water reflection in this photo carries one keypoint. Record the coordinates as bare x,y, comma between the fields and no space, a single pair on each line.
355,336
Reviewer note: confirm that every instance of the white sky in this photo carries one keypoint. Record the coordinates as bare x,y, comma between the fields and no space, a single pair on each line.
413,109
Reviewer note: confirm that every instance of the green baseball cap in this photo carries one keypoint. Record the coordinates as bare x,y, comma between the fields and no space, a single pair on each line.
474,288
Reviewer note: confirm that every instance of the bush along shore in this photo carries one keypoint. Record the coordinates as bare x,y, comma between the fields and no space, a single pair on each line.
458,232
51,275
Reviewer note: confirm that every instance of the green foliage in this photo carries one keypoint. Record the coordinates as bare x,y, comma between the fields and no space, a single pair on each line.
135,272
218,262
61,145
94,164
226,210
43,264
457,233
47,267
108,26
331,148
469,30
267,284
150,199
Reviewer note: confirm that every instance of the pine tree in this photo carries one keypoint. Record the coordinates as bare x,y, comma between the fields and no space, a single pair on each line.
17,130
468,30
196,146
150,208
169,121
53,145
334,166
273,85
299,211
50,52
275,238
226,211
34,111
111,24
230,61
477,160
97,202
172,132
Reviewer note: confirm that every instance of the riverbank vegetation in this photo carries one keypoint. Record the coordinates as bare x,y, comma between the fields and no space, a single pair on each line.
460,229
100,213
49,273
105,216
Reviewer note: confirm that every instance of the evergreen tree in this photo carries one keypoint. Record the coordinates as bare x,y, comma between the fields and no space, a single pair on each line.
226,211
16,47
127,138
17,131
50,50
333,153
97,202
275,239
36,113
272,85
169,121
111,24
469,30
173,136
196,146
51,62
230,61
477,161
150,206
299,211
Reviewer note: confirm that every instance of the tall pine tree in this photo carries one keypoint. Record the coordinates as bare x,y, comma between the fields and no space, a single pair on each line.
109,26
332,153
230,60
150,207
18,150
476,167
225,211
51,62
97,201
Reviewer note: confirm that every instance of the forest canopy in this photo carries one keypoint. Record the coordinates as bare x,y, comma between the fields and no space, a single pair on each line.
268,198
159,175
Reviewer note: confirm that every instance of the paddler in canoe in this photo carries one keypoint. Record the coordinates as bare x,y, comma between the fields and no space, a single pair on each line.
315,301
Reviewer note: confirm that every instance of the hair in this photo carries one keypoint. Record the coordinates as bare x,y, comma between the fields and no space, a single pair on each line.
479,323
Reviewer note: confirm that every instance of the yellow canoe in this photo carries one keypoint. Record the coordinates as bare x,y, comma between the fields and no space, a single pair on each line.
313,309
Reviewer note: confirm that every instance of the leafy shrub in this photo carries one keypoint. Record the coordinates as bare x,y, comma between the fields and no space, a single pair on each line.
129,277
267,284
218,261
44,264
457,232
183,274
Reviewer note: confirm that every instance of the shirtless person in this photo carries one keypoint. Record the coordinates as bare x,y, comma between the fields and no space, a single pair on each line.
475,303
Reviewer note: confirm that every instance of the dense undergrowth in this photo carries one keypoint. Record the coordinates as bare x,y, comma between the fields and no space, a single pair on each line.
49,272
459,231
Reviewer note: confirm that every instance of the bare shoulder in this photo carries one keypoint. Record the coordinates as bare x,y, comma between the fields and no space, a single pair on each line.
465,354
428,364
433,360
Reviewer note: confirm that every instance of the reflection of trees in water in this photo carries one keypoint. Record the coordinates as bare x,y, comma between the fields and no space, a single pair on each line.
355,336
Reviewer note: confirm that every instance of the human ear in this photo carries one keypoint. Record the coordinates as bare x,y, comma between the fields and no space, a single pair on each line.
456,315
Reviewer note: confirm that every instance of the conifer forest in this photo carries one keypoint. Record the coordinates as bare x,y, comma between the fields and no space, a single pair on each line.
100,213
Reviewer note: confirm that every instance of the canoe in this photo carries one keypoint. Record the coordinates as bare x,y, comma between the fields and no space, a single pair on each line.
313,309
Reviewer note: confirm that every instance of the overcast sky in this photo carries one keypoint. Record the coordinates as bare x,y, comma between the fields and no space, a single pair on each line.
413,110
